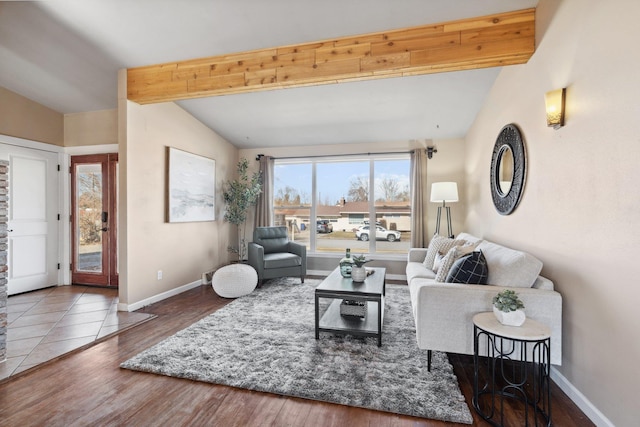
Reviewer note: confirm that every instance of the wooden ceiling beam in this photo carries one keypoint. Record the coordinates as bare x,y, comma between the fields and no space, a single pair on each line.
489,41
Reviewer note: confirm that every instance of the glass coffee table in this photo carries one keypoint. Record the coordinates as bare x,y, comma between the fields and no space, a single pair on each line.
370,292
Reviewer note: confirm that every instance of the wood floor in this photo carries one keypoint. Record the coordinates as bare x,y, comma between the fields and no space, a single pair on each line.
88,388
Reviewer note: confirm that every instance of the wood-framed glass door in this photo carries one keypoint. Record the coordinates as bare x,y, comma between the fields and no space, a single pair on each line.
94,195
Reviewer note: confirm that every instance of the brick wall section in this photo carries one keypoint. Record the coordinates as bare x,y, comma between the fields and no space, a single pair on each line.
4,217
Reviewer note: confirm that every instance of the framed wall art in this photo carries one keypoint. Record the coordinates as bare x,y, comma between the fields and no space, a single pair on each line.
191,184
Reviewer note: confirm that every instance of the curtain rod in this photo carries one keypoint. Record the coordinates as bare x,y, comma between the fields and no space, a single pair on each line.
429,151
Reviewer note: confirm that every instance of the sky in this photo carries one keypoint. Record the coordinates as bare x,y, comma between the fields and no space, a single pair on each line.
334,179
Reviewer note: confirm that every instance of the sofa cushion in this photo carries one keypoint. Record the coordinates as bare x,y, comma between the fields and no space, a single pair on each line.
281,260
470,269
451,257
508,267
439,244
469,238
417,270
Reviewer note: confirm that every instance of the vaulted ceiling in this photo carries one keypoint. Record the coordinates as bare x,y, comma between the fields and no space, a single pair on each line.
65,54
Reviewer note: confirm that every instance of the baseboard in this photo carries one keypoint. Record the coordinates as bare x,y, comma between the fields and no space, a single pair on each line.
597,417
157,298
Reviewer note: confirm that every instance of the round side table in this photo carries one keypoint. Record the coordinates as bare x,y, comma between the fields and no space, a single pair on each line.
516,367
235,280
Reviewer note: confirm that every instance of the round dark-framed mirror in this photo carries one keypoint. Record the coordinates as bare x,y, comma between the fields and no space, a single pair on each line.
508,169
505,170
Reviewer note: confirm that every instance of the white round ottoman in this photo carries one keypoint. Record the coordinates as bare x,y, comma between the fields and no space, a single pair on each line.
235,280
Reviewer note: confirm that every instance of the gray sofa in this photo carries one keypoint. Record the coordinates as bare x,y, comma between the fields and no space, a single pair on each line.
443,312
273,255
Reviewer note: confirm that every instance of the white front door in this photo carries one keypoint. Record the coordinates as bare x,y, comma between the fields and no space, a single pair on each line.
33,218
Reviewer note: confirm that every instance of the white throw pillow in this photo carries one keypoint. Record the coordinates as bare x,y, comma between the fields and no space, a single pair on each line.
437,262
509,267
439,244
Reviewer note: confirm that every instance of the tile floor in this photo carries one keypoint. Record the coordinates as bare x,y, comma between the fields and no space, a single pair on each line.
48,323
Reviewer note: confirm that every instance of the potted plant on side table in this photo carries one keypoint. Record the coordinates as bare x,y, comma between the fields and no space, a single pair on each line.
508,308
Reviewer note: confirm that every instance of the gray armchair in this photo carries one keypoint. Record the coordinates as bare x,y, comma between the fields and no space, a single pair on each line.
273,255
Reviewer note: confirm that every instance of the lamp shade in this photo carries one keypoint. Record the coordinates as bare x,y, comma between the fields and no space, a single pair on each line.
444,192
554,102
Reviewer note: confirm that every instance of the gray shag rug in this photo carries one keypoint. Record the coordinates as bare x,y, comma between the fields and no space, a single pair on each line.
266,342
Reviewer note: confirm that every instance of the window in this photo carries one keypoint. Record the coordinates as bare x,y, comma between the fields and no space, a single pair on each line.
347,193
356,219
292,200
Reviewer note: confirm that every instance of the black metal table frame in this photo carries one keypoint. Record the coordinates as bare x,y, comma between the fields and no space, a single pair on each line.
355,296
514,374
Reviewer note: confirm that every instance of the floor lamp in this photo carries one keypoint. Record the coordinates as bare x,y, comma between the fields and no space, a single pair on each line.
444,192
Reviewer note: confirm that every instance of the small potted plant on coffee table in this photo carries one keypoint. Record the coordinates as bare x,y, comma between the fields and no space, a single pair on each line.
508,308
358,272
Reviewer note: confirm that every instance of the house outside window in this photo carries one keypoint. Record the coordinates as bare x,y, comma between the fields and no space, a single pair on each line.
349,193
357,219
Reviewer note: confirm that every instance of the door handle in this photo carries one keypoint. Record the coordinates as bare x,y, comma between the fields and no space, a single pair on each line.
105,229
105,217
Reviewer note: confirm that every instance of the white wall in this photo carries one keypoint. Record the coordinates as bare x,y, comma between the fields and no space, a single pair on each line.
182,251
91,128
580,212
447,165
21,117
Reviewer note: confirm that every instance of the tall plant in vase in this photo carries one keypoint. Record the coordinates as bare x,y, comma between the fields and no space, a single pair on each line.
240,195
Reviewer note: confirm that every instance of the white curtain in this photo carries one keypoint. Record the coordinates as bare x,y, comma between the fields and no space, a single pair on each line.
264,208
419,237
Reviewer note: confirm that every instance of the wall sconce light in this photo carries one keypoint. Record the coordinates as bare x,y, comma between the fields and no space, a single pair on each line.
554,101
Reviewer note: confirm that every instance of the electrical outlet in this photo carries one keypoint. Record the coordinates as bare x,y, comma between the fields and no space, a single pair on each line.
159,274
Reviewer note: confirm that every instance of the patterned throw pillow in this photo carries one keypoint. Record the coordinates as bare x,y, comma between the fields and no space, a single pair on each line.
471,269
439,244
452,256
